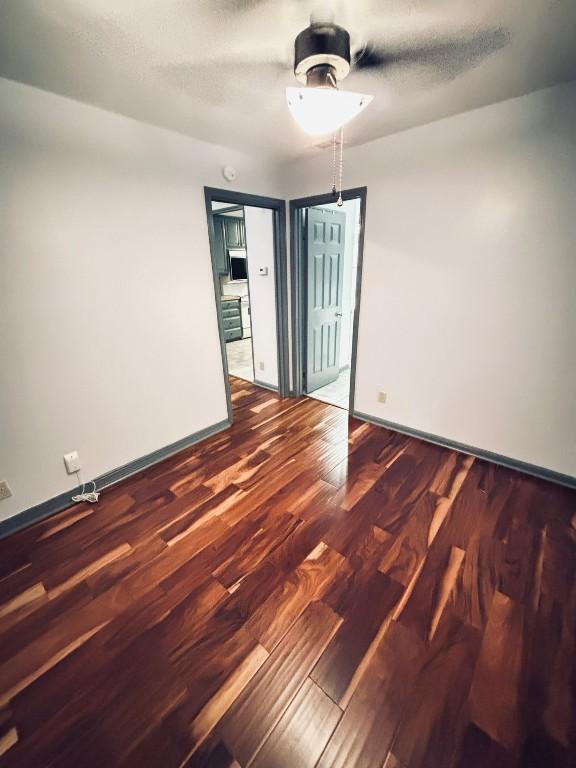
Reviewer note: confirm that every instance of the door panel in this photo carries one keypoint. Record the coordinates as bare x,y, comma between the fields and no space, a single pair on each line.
325,269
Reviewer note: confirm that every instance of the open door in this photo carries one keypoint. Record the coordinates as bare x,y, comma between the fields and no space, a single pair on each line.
324,274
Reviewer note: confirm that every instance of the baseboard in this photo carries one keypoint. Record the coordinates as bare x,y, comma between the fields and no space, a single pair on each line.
63,500
495,458
271,387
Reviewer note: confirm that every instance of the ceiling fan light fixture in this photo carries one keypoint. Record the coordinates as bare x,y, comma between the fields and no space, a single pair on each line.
319,111
321,60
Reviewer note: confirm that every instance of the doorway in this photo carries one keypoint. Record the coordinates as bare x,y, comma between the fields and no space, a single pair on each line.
327,246
234,277
248,250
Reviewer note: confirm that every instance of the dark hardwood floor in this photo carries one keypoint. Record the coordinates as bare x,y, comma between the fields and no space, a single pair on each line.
303,589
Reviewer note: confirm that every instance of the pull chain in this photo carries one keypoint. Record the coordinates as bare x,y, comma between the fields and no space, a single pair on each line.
340,202
334,165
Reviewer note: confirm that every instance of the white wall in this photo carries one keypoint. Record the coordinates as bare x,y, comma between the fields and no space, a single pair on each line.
108,331
468,310
259,225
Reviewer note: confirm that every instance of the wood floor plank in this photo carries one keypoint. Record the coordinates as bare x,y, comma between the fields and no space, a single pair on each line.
435,716
365,732
272,572
306,584
477,580
79,677
392,762
479,750
252,717
339,662
517,567
255,550
32,624
91,568
433,589
58,641
499,668
29,595
409,545
404,482
302,732
222,700
190,517
559,717
212,754
363,558
548,701
7,740
169,742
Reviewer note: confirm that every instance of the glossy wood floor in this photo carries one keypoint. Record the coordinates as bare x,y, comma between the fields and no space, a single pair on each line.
301,590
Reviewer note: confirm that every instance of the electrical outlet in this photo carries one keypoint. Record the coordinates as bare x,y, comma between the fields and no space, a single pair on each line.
72,461
5,491
261,366
381,397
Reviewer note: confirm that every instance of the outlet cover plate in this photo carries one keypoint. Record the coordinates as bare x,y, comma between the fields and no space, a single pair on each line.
72,461
5,491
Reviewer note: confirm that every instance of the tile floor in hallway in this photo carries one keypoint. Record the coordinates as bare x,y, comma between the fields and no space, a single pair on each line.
239,354
335,393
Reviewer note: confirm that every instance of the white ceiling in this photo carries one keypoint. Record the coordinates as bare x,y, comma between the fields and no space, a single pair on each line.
217,69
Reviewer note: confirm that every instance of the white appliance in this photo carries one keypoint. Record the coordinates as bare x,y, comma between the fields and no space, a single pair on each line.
245,311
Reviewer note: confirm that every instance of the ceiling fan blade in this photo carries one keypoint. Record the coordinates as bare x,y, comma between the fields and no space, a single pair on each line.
449,57
371,57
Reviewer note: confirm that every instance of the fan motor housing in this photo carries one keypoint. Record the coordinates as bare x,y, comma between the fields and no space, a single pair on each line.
322,45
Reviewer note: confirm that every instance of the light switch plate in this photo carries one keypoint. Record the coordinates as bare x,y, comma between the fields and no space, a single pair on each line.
381,397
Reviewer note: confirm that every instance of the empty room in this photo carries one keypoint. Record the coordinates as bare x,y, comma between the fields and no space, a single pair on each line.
287,384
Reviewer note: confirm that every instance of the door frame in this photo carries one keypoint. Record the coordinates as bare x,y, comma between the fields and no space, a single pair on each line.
297,284
278,207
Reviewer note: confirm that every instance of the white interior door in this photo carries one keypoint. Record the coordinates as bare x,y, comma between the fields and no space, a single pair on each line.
324,274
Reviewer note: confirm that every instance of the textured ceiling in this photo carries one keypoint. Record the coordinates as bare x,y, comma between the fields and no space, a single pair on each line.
217,69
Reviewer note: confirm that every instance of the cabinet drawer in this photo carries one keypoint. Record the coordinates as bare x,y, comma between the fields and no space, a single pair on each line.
233,311
231,322
232,334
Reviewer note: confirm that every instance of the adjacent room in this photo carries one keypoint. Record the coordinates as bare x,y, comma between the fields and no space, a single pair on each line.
287,384
231,259
244,257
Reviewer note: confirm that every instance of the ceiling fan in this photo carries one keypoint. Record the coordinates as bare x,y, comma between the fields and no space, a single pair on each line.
322,59
420,44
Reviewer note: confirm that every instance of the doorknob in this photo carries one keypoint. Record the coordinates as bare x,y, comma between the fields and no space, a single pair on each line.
337,314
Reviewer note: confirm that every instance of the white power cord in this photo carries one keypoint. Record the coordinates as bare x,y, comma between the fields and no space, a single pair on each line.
91,496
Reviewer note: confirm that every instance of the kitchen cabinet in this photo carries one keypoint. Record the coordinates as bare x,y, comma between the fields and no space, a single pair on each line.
221,252
231,318
229,232
235,232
